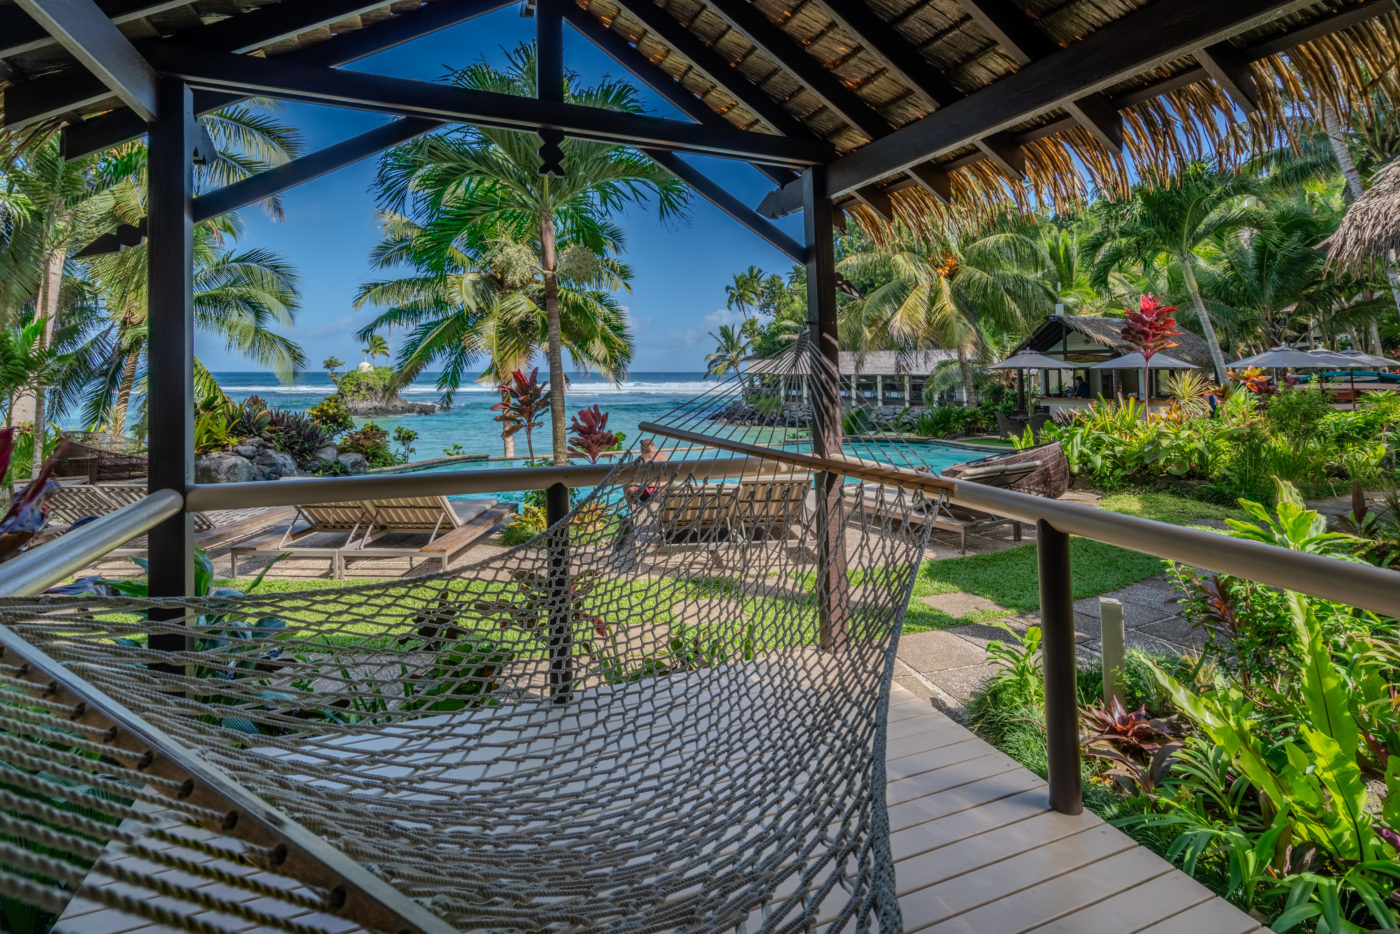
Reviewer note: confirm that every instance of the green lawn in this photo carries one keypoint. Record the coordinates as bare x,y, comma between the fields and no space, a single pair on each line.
1167,507
1009,579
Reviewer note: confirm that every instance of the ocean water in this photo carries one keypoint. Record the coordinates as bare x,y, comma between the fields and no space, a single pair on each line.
641,397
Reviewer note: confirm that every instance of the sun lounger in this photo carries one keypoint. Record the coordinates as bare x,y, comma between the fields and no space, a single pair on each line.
358,530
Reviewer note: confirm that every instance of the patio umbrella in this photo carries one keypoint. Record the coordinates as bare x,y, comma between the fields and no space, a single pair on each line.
1280,357
1135,361
1028,360
1358,359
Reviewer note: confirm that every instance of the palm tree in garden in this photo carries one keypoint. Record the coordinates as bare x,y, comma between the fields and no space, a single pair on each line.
731,350
482,186
240,296
952,289
466,303
1173,218
745,292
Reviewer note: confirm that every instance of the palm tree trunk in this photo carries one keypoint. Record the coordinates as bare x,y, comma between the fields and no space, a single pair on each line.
1207,327
1373,329
549,262
47,305
969,386
123,400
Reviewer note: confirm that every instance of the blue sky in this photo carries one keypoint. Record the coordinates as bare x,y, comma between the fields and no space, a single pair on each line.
681,267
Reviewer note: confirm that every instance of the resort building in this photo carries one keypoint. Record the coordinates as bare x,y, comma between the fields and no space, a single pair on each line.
880,378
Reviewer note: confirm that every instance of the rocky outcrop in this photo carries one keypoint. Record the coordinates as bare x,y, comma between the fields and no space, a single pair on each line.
224,468
392,405
275,465
353,463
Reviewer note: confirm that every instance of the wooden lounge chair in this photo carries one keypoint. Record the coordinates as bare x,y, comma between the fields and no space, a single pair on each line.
1041,470
714,516
361,527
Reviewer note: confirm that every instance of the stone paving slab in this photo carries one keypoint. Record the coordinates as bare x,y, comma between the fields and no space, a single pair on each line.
932,652
1135,615
961,604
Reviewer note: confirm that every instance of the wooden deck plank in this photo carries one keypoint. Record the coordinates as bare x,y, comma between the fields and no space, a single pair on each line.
1146,903
1216,916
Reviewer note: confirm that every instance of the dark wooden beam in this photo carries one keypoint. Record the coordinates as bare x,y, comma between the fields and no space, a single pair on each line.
377,93
20,34
103,132
1104,57
69,91
288,175
170,378
84,30
876,200
615,46
1103,121
728,203
933,180
1004,151
1223,62
675,35
783,49
885,43
1010,28
549,50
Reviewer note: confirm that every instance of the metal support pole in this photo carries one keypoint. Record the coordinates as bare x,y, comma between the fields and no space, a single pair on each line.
170,380
561,637
833,596
1061,686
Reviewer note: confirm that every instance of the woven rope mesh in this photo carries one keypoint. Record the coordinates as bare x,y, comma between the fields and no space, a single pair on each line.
664,713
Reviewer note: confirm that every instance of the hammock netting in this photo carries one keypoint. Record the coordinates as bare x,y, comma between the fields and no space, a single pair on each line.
664,713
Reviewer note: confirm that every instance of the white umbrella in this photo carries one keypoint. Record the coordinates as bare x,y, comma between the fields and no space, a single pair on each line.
1357,360
1030,360
1296,359
1135,361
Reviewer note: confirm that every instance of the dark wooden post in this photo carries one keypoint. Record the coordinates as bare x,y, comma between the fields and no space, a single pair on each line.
833,597
561,636
170,379
549,78
1061,685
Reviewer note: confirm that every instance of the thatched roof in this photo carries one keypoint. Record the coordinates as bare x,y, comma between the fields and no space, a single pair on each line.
849,72
1370,231
1106,333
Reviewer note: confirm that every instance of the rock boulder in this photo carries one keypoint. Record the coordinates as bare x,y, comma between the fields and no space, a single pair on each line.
353,463
223,468
276,465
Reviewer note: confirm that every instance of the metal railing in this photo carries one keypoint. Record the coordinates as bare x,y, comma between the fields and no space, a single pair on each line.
1358,585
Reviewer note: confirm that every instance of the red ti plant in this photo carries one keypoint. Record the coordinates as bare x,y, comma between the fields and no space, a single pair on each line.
1140,747
524,400
1150,330
27,514
590,436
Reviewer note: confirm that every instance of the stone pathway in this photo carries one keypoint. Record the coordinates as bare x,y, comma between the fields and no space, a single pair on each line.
948,665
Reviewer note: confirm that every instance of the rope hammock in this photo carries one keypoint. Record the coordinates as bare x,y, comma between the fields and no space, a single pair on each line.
666,712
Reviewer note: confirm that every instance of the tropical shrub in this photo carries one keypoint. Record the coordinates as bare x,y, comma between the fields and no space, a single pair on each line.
332,414
296,434
589,434
372,442
404,438
250,419
944,421
524,401
365,386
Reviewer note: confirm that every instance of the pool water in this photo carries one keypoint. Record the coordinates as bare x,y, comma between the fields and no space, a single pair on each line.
932,455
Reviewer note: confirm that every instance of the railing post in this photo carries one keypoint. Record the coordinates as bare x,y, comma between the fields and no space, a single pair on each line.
561,637
1061,685
170,389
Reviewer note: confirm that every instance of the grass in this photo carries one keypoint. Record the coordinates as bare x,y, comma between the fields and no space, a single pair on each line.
1008,578
1167,507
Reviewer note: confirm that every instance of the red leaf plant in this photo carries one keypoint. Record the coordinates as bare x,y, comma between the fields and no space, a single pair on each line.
590,436
1150,330
27,513
523,400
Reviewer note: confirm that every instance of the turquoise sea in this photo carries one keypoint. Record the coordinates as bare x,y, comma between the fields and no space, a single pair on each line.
469,422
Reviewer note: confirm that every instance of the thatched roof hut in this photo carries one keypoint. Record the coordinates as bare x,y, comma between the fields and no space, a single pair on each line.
1085,340
1371,229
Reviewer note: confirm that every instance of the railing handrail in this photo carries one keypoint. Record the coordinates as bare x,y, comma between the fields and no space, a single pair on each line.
1359,585
42,567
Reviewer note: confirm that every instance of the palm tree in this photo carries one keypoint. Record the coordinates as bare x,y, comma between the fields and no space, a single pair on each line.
746,291
953,288
459,307
239,296
376,346
731,349
481,188
1172,218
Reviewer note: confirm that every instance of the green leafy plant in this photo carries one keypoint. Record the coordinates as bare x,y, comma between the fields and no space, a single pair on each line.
371,442
296,434
1016,661
332,414
404,438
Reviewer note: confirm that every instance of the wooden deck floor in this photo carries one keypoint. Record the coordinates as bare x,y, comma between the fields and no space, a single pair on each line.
978,850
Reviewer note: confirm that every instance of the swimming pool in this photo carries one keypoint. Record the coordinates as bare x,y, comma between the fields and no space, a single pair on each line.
933,455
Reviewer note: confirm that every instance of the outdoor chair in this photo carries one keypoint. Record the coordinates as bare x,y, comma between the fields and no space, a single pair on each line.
1006,428
362,526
